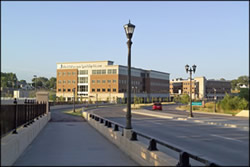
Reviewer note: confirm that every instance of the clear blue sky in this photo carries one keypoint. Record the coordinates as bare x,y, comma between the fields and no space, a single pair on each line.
168,35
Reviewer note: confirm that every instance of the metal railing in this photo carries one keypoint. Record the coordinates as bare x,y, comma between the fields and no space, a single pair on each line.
184,156
16,115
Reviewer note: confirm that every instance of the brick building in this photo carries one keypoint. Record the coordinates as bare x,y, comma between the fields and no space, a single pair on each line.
102,80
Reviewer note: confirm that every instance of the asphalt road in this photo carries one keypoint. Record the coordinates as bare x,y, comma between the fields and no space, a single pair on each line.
224,146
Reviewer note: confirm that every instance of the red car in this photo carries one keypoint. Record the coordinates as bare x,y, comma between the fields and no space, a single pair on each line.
157,106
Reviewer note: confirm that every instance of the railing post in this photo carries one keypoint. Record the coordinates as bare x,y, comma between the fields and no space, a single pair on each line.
33,111
101,121
37,111
183,159
109,125
133,136
15,102
25,113
116,128
152,145
106,123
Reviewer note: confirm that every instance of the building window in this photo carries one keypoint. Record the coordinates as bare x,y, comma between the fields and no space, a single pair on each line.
64,81
59,73
64,73
74,73
108,89
59,90
73,81
103,81
114,71
69,73
83,72
93,81
93,90
103,71
64,90
114,90
83,79
59,82
103,90
69,81
109,81
83,88
98,81
98,90
99,72
109,71
93,71
114,81
69,90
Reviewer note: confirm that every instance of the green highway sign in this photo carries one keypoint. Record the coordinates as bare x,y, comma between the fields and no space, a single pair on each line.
197,103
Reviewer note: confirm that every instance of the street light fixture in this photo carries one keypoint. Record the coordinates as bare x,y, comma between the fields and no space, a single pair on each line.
129,30
74,99
215,98
190,70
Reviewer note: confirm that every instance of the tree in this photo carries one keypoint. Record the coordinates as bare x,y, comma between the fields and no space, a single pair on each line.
222,79
244,93
9,80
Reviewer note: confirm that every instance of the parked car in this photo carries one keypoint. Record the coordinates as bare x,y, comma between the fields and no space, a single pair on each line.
157,106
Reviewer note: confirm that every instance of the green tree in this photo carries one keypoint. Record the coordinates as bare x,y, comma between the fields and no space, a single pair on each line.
244,93
185,99
9,80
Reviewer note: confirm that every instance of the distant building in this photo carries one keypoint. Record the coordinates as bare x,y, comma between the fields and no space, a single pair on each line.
21,93
102,80
201,88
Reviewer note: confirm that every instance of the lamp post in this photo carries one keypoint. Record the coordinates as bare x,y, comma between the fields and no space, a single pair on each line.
134,87
74,99
215,97
129,30
190,70
35,81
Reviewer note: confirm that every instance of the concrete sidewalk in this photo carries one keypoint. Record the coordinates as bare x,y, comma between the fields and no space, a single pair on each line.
236,123
72,143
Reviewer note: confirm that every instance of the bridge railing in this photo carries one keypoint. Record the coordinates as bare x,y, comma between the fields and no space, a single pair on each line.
184,156
17,115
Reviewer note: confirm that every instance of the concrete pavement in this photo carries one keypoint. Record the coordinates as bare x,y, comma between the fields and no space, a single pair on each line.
70,141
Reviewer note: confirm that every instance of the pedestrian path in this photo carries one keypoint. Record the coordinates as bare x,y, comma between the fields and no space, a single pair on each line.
241,124
72,143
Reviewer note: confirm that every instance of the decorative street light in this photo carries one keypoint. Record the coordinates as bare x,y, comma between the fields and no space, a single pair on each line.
215,98
129,30
35,81
74,89
190,70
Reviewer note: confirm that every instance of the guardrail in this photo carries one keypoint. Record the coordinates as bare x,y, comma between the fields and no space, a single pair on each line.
184,156
16,115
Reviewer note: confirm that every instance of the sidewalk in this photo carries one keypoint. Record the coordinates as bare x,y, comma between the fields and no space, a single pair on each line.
72,142
225,122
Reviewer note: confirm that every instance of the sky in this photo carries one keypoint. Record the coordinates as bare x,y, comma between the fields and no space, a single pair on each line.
168,35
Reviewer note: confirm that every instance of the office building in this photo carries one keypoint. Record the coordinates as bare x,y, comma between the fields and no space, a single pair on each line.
104,81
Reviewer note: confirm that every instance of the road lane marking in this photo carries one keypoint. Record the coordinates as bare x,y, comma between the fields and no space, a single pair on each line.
228,138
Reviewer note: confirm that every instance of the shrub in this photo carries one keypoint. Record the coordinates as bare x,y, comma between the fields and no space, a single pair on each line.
233,103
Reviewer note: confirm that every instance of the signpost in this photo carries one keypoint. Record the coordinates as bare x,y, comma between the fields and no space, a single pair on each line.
197,103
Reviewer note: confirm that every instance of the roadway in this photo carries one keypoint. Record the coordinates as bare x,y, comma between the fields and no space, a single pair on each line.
222,145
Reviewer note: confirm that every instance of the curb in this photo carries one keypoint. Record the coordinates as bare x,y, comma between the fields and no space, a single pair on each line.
186,119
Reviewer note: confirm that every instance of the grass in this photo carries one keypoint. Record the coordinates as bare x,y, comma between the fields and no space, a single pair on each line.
78,112
209,107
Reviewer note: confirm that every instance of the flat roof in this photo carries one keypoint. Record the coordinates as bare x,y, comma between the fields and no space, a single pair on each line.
85,62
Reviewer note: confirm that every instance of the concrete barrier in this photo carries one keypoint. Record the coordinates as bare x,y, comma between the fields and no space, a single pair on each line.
13,145
243,113
134,149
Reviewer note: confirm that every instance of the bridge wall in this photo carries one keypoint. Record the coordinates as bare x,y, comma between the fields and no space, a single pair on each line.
134,149
13,145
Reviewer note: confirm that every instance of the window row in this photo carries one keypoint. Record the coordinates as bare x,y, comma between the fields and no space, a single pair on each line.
103,81
68,81
64,90
132,82
103,90
66,73
83,72
103,71
83,80
83,88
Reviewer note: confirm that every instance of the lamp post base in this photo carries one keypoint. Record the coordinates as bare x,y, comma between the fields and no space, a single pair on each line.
127,133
